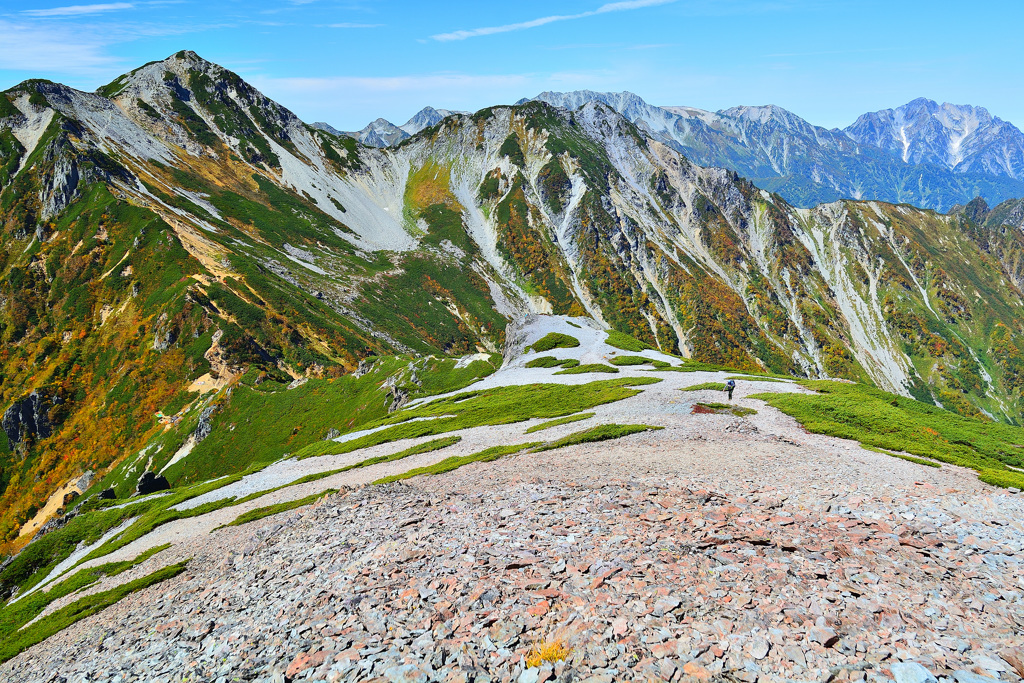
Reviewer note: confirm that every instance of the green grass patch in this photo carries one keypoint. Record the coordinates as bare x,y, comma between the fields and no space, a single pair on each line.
710,386
625,342
559,421
552,362
632,360
258,423
883,420
15,615
457,461
20,640
588,367
495,406
599,433
260,513
554,340
760,378
902,456
692,366
435,445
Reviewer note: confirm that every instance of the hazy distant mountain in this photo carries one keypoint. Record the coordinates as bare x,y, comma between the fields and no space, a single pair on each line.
953,156
959,137
383,133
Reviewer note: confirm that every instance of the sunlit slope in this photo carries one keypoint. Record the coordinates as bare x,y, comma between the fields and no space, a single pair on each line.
176,229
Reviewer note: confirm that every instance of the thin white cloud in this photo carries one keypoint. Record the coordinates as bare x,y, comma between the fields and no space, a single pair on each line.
533,23
38,50
77,10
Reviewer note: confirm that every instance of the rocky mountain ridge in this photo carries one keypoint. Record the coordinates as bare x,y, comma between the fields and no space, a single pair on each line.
922,153
383,133
176,233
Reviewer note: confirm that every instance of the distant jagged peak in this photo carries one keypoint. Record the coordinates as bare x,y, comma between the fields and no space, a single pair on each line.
960,137
427,117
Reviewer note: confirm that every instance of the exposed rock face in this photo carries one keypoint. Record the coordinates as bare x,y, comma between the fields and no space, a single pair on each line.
204,427
150,482
107,494
28,418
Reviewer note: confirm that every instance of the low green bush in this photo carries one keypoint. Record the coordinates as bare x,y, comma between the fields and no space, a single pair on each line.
710,386
625,342
588,367
632,360
554,340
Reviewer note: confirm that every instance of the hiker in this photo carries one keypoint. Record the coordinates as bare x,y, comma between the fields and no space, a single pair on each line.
730,386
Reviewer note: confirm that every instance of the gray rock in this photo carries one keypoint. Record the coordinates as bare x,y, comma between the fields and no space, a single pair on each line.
962,676
823,635
759,648
911,672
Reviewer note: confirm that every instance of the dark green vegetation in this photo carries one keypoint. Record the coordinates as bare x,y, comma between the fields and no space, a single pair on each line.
633,360
625,342
554,340
560,421
15,615
598,433
260,422
722,408
588,367
260,513
552,362
427,447
20,640
902,456
457,461
894,423
710,386
500,405
754,378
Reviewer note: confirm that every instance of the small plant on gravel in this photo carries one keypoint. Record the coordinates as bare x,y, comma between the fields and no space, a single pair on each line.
720,409
554,340
550,651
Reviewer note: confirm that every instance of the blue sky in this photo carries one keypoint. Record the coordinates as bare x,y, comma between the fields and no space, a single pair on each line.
349,61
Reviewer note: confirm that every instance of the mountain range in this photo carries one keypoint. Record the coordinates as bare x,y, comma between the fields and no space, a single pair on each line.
922,153
383,133
177,232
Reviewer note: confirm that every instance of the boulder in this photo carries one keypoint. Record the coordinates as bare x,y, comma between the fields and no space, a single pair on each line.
107,494
151,482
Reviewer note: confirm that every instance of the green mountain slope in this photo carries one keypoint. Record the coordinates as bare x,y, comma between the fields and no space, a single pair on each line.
176,241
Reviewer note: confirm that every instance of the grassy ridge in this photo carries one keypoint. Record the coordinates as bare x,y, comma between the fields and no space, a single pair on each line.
883,420
457,461
500,405
260,513
20,640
